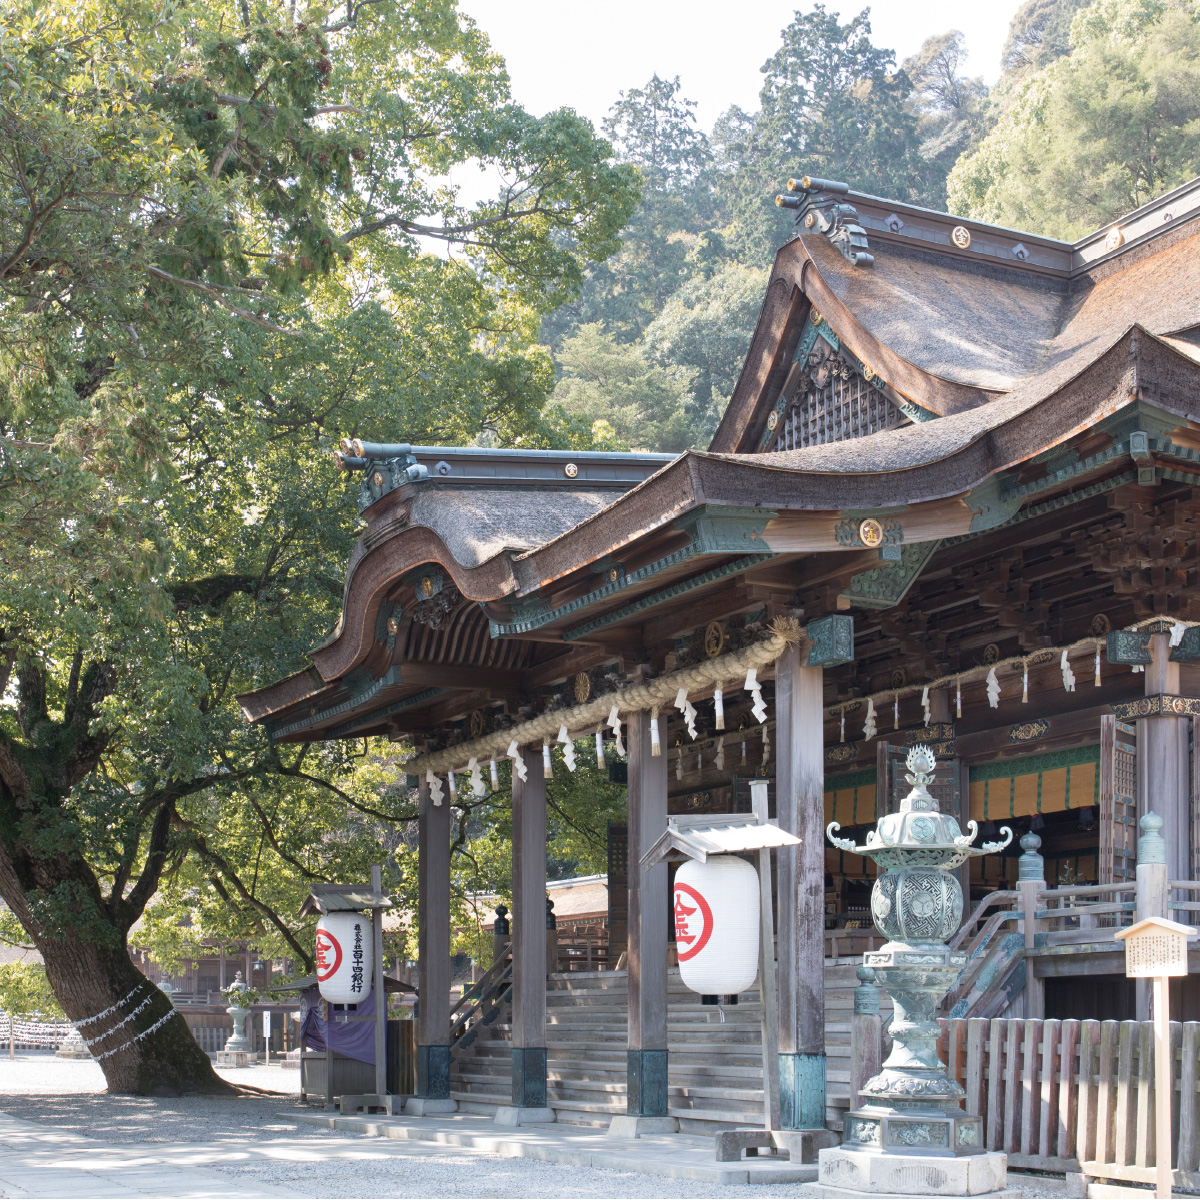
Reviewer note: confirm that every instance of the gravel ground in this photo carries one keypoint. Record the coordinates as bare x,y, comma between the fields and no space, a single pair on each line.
259,1145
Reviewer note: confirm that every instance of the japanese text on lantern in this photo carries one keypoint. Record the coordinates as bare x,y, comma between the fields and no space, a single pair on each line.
356,972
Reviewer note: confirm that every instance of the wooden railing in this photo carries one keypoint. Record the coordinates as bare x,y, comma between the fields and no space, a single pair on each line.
480,1003
1184,908
1084,914
1077,1095
980,926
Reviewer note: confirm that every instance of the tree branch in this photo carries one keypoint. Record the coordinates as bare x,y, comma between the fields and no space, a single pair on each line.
211,291
212,859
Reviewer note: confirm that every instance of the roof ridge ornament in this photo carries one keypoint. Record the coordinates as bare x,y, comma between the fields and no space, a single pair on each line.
823,207
385,465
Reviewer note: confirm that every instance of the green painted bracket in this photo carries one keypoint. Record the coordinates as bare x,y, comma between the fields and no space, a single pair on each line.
887,584
831,641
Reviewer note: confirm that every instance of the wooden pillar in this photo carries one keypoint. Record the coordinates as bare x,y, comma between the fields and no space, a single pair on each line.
1031,879
529,935
433,956
1164,786
1151,891
767,990
800,808
646,1067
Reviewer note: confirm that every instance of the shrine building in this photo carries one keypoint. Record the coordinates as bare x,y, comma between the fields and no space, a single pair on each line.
953,500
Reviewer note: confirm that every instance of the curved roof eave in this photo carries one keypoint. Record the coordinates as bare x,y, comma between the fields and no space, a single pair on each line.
912,465
797,276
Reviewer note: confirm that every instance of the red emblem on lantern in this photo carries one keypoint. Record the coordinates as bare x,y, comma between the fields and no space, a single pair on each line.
329,955
693,921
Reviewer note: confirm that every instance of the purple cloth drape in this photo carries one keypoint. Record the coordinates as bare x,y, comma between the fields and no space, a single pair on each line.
354,1039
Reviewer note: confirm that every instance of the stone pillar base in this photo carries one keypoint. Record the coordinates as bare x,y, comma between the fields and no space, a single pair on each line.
861,1172
511,1114
646,1083
636,1127
424,1106
233,1058
802,1091
529,1077
433,1072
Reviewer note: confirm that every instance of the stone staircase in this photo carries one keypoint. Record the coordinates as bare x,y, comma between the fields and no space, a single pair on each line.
714,1069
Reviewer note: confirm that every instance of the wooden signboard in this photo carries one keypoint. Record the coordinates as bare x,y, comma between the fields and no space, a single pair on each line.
1157,949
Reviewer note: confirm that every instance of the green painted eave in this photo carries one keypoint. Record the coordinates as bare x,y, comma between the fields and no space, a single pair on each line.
711,529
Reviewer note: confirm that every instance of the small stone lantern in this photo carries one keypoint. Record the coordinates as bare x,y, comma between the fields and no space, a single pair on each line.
237,1048
911,1136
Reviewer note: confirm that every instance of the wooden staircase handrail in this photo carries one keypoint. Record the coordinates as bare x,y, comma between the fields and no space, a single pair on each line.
488,995
991,899
474,990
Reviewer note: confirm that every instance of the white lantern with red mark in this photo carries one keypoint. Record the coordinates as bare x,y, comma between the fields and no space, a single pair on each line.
344,958
717,924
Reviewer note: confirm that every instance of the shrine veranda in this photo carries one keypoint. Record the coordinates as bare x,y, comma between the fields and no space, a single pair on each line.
953,501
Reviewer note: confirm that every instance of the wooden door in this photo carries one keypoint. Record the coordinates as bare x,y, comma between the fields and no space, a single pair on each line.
1118,800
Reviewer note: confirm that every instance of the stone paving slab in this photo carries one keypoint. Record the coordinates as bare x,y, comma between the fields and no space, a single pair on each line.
670,1156
39,1162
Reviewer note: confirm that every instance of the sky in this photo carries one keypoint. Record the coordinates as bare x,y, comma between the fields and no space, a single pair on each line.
581,53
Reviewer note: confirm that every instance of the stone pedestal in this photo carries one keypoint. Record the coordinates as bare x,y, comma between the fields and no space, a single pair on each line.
861,1172
511,1114
426,1106
233,1058
73,1047
636,1127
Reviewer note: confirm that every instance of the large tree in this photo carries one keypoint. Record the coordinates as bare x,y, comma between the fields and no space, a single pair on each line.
833,105
653,129
1096,133
212,224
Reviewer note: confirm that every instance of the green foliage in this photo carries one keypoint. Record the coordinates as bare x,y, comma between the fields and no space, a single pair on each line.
1039,32
1098,132
833,106
653,129
604,380
212,224
653,345
704,330
25,992
950,107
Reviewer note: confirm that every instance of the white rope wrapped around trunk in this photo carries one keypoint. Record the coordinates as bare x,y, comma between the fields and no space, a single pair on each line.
638,697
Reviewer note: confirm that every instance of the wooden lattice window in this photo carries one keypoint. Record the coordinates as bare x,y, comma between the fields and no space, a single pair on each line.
832,402
1118,801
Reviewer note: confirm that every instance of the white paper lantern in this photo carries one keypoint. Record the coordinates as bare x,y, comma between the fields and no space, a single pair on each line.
717,925
344,958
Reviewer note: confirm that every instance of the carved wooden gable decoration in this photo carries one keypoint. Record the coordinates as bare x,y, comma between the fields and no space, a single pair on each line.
828,395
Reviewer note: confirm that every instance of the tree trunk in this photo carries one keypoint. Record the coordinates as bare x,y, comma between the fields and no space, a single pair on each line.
89,978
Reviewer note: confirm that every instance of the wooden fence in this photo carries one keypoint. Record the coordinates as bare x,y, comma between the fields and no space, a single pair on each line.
1077,1095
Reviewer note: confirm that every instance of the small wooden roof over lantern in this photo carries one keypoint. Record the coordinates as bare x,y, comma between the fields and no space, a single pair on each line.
1155,947
343,897
698,837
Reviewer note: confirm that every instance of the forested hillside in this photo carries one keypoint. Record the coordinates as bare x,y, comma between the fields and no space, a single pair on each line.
1096,111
